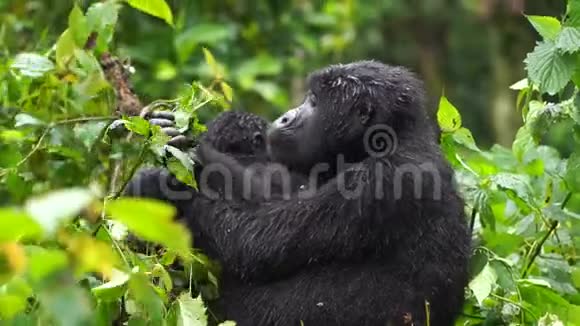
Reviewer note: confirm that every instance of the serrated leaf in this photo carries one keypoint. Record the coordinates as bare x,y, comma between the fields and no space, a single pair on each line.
547,26
515,184
549,68
137,125
157,8
191,311
52,209
483,283
32,64
448,116
569,39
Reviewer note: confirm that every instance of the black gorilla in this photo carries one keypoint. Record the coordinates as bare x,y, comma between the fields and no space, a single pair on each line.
328,257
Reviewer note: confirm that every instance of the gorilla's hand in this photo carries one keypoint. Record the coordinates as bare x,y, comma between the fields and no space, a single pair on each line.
163,119
166,120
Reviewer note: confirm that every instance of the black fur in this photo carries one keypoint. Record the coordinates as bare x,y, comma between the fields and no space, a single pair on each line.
325,259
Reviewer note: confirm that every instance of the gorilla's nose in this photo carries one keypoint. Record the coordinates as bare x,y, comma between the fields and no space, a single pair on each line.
285,120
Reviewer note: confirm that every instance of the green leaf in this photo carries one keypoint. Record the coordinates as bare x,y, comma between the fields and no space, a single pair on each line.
523,143
114,288
157,8
211,34
263,65
101,19
216,69
32,64
448,116
23,119
44,262
15,225
547,26
514,184
572,176
191,311
464,137
151,220
65,49
227,90
482,285
270,91
78,26
549,68
573,13
569,39
520,85
541,300
52,209
137,125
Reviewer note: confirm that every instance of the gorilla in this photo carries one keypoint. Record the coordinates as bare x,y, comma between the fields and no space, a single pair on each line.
380,240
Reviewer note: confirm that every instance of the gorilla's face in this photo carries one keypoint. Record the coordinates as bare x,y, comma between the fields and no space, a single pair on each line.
294,139
342,103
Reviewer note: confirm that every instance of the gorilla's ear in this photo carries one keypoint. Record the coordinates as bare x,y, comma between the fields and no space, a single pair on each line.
365,112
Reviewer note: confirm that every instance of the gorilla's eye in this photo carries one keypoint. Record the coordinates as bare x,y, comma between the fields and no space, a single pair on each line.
258,139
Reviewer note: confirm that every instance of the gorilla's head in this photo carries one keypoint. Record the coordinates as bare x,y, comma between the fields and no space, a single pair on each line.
342,103
238,133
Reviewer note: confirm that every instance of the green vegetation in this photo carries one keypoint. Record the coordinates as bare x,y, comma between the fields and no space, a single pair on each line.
64,254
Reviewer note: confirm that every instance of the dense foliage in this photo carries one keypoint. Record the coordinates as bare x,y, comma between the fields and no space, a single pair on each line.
65,257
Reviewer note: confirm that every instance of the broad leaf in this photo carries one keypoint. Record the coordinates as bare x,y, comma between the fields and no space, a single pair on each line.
191,311
32,64
482,285
549,68
547,26
15,225
151,220
52,209
569,39
448,116
157,8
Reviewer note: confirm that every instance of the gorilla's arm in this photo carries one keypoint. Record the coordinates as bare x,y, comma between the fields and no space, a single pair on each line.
271,239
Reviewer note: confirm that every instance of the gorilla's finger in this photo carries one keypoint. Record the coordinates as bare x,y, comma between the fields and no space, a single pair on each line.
117,127
171,132
180,142
162,122
167,115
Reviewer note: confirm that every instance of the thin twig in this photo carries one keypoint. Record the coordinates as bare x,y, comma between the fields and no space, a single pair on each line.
537,247
132,171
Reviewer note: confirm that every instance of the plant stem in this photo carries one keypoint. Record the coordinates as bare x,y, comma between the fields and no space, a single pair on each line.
537,247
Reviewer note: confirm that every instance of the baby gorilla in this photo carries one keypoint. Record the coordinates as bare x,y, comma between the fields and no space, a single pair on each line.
242,136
